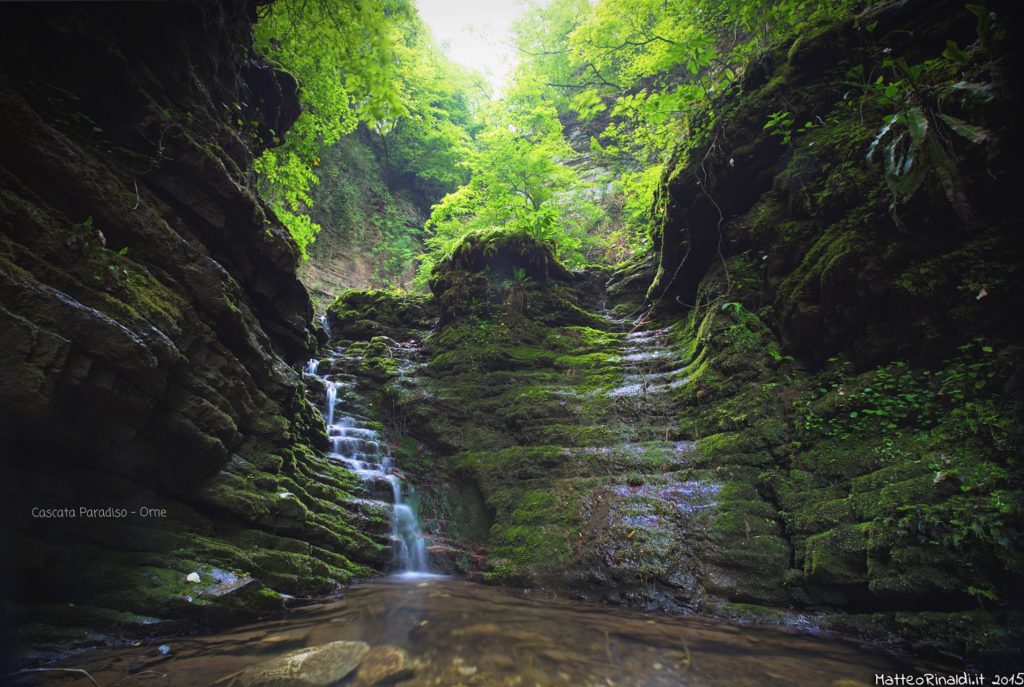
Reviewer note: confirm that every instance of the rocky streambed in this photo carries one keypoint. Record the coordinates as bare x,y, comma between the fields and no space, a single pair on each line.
430,630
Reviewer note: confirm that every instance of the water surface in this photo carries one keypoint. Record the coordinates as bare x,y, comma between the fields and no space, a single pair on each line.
460,633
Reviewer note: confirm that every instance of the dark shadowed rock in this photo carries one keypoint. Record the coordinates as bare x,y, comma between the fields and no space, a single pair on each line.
152,322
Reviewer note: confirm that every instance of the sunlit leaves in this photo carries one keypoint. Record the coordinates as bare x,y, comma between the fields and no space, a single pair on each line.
587,105
440,99
341,53
518,181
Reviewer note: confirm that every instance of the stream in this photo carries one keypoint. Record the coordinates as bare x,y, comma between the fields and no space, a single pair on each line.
453,632
360,449
425,629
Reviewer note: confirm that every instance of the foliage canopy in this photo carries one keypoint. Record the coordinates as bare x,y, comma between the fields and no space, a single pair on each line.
572,153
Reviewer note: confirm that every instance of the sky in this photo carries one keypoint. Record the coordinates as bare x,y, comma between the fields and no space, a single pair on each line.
477,34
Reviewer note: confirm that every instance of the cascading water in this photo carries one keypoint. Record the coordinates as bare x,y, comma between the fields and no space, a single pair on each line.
330,403
326,325
359,449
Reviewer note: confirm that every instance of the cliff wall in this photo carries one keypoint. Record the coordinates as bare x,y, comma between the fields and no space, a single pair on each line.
152,326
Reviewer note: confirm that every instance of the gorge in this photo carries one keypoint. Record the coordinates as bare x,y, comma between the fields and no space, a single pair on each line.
778,444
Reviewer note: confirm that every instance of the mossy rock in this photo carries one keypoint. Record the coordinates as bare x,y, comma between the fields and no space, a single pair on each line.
504,272
838,556
501,252
361,315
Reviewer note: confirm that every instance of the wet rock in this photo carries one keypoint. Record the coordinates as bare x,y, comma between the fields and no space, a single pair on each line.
318,666
141,367
384,665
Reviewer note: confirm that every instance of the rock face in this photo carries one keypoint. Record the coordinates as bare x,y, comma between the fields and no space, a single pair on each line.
848,262
818,423
151,322
357,203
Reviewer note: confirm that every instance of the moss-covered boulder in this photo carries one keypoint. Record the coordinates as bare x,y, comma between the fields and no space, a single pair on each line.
506,270
361,315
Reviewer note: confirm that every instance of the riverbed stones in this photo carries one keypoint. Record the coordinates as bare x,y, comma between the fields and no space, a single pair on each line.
384,665
316,666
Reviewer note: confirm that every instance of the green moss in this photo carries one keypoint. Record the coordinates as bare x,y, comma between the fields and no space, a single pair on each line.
819,514
536,538
151,297
364,314
838,556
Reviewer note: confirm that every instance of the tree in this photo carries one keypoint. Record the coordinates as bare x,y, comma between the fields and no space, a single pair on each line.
518,181
342,54
429,141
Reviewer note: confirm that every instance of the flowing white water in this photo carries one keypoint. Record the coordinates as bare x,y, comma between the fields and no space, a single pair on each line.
648,365
360,450
332,401
326,323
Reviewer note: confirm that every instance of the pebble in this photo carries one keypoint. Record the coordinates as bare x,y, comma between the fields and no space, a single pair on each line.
192,577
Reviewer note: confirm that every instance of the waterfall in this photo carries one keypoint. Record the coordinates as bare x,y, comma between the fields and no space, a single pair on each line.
326,323
359,449
330,402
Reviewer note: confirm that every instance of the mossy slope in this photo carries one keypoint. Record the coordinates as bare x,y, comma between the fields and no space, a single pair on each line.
819,417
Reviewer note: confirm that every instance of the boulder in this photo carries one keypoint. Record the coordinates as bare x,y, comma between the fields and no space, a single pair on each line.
316,666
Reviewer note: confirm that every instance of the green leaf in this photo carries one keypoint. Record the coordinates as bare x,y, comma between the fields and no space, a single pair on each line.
880,136
974,134
984,27
953,53
917,122
980,91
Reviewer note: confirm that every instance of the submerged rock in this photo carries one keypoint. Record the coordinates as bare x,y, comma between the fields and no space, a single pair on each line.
384,665
316,666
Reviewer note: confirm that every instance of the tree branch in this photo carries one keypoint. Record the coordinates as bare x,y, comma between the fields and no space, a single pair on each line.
605,81
543,52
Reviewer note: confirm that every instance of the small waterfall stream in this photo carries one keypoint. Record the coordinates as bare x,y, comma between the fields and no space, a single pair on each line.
447,631
360,449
